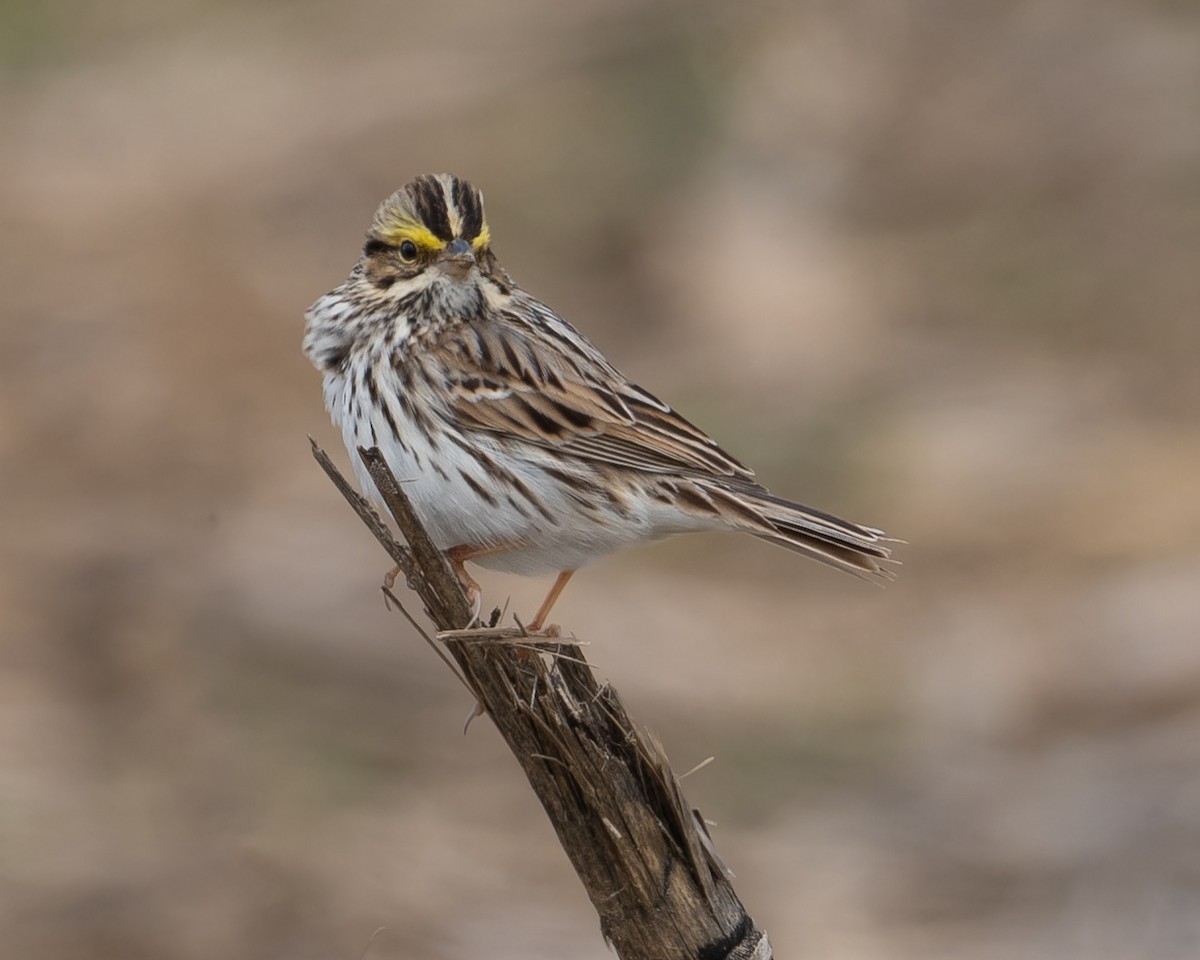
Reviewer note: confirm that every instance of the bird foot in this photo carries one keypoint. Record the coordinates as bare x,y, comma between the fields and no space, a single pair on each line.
389,578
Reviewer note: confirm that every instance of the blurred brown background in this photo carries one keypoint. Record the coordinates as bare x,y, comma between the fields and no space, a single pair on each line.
932,266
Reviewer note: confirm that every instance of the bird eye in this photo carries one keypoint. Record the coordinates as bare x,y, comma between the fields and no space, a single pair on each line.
408,251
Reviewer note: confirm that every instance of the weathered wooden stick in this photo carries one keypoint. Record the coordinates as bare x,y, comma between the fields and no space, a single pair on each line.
641,852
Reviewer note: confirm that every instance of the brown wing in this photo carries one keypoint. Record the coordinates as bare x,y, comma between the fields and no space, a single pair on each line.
545,384
534,378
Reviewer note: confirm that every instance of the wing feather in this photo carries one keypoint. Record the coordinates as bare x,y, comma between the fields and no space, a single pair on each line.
542,382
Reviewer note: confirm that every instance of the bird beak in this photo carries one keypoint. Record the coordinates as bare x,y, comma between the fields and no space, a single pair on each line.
456,259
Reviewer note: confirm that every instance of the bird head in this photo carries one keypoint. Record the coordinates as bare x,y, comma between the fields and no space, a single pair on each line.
432,229
427,260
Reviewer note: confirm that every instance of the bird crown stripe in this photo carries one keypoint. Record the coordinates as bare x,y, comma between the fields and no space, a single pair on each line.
432,207
469,205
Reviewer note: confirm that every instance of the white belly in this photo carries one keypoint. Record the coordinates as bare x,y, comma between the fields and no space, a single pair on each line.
537,524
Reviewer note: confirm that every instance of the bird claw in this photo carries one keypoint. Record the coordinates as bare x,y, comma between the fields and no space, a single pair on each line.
477,711
389,578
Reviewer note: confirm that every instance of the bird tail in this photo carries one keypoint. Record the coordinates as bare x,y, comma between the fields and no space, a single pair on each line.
859,550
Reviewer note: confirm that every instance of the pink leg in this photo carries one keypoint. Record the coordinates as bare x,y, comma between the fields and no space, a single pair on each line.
548,604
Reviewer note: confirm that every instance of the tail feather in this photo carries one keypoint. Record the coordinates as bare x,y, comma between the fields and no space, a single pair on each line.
857,549
867,563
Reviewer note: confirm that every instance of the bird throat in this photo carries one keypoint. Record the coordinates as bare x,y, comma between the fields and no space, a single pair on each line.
452,299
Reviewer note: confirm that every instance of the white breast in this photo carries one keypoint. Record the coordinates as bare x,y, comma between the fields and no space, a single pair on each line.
500,496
